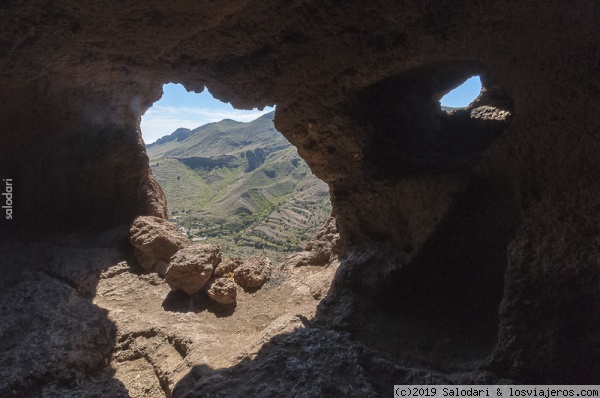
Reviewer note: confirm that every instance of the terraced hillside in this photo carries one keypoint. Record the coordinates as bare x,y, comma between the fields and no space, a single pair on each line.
241,185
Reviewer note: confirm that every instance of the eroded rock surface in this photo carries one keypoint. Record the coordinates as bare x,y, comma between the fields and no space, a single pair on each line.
155,241
222,290
191,268
254,272
52,336
229,264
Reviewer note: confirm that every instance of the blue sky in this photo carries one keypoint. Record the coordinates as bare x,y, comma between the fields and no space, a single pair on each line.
464,94
180,108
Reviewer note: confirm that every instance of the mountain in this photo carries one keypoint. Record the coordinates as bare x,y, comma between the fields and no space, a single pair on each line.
241,185
449,109
178,135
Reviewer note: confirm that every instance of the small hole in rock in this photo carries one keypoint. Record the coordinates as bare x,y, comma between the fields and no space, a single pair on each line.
412,135
462,96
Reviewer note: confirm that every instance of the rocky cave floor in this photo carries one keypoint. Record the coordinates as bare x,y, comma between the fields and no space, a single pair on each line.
81,320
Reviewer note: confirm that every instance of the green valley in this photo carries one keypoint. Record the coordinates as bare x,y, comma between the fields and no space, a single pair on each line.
240,185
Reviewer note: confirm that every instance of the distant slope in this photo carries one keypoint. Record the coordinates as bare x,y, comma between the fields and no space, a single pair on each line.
226,137
242,185
449,109
178,135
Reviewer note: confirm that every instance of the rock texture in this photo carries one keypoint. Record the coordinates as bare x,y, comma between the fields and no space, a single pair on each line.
222,290
254,272
155,241
52,336
487,213
229,264
190,268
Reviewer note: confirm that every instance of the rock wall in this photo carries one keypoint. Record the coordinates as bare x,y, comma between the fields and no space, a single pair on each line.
75,156
356,87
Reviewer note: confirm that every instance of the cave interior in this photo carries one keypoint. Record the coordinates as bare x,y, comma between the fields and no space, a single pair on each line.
470,240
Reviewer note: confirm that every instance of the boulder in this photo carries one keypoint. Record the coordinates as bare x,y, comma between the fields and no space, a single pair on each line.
222,290
254,272
229,264
155,240
191,267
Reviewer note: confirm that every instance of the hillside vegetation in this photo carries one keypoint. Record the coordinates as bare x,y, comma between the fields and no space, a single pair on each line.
241,185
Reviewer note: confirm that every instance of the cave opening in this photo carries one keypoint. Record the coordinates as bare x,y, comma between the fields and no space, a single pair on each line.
230,177
439,308
462,96
412,135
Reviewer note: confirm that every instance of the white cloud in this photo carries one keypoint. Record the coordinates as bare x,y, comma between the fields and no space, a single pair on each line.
161,120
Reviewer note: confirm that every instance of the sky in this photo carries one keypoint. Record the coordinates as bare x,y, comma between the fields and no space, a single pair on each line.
464,94
180,108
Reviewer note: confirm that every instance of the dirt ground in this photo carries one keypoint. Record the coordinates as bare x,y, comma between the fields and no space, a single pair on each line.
77,320
161,334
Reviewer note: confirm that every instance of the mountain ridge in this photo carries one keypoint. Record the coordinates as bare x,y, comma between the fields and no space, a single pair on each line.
227,137
178,135
242,185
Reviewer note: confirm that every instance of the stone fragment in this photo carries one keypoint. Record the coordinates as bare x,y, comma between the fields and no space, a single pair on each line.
222,290
320,250
254,272
229,264
191,267
155,240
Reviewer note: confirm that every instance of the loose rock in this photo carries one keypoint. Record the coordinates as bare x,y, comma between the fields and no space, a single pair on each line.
155,240
324,244
229,264
222,290
320,250
190,268
254,272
